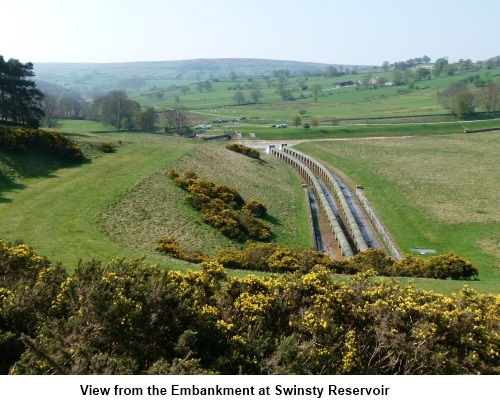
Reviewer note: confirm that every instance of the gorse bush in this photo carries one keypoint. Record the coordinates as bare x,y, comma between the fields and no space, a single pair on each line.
256,208
447,266
19,139
245,150
128,317
224,208
271,257
106,147
171,247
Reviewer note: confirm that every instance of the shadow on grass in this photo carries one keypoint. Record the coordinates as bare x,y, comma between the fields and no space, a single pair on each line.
271,219
7,184
28,165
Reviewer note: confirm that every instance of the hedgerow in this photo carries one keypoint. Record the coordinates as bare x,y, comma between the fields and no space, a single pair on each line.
19,139
271,257
128,317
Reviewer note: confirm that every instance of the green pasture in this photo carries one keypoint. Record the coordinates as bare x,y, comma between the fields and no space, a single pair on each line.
436,192
343,103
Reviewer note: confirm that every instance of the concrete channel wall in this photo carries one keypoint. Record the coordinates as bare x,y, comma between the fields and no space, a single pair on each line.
307,173
360,239
351,222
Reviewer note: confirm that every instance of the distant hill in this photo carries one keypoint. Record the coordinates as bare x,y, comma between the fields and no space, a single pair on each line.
56,90
90,79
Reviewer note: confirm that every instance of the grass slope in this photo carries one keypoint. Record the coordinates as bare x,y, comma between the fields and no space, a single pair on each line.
55,213
156,206
119,204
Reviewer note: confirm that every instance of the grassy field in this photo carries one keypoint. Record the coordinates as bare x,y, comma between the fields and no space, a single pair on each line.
437,192
117,205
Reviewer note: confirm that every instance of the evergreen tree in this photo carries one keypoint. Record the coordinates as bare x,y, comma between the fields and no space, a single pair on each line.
20,100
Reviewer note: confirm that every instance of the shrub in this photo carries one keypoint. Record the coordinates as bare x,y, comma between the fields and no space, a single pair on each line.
371,259
106,147
18,139
283,260
254,228
450,266
221,207
245,150
127,317
255,207
170,246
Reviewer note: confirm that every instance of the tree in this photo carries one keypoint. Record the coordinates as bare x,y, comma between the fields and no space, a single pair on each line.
397,77
239,97
366,80
316,89
464,103
302,112
117,109
71,107
20,100
385,66
176,121
407,75
490,96
335,121
421,73
296,120
439,66
465,65
256,95
457,98
331,71
49,106
286,94
233,76
147,120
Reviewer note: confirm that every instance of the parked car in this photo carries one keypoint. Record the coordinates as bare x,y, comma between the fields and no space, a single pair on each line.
282,126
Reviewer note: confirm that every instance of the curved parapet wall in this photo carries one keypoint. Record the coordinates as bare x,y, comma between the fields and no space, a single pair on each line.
309,175
352,224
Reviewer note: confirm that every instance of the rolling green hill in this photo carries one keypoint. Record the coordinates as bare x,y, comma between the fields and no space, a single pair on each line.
87,78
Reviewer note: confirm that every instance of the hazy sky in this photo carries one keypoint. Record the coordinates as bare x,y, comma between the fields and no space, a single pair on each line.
330,31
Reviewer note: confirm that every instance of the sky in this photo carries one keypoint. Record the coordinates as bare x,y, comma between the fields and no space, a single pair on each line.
363,32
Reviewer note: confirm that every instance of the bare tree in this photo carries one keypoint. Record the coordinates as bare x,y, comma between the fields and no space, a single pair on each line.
49,106
176,121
